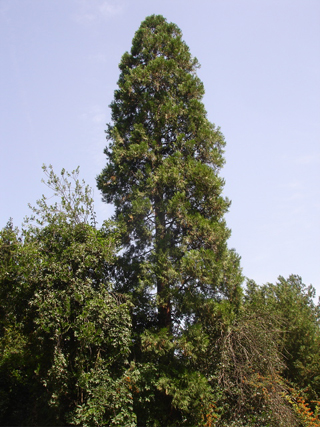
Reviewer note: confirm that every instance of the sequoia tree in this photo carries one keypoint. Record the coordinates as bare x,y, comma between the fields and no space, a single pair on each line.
162,176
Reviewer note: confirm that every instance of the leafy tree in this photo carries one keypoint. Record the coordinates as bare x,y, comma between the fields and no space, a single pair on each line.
244,363
262,360
291,303
15,261
65,334
163,177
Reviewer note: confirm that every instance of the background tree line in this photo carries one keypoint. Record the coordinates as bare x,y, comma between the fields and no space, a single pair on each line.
146,321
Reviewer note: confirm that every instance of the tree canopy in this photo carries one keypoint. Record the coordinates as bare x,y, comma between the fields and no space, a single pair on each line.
162,175
65,336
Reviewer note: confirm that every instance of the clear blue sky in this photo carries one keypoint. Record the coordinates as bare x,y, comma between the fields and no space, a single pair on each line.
261,71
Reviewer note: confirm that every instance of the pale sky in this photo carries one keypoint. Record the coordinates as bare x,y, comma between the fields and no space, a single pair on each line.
260,65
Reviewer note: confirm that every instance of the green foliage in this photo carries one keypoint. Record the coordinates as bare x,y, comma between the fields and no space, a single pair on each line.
169,389
241,362
163,177
65,335
143,321
291,302
75,202
261,359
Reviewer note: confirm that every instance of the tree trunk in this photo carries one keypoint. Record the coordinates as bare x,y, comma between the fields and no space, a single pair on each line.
164,303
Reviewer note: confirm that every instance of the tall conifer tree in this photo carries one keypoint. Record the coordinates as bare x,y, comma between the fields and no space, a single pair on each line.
162,175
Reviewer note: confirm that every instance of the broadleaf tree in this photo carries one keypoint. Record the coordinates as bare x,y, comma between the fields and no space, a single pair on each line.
162,175
64,334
